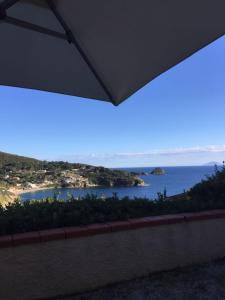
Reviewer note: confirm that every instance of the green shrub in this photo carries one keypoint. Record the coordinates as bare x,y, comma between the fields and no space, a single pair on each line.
210,192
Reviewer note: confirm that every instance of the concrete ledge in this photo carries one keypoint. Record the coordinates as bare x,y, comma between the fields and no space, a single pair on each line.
94,229
64,261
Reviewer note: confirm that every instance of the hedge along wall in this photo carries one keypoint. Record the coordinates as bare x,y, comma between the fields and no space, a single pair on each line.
64,261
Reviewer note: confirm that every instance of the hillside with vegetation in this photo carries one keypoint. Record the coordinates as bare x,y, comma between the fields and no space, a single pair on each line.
27,173
11,161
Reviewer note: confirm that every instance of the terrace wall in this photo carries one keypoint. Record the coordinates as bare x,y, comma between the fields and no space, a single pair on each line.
72,260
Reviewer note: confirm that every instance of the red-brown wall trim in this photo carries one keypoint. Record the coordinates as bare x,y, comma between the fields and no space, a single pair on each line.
94,229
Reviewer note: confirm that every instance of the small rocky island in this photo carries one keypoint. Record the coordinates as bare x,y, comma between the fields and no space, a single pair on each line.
158,171
22,173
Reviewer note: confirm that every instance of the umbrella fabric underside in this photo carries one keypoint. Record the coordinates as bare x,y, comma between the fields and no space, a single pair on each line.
122,45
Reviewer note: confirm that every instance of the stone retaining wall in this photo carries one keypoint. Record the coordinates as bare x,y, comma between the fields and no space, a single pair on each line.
40,265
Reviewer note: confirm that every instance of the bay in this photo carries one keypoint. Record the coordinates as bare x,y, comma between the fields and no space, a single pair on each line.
175,181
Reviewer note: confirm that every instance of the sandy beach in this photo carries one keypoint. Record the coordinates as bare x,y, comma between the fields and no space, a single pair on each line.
18,191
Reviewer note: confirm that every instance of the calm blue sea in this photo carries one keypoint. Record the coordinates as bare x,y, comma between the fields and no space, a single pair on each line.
176,180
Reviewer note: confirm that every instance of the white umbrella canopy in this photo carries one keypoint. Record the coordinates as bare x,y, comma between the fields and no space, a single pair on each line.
100,49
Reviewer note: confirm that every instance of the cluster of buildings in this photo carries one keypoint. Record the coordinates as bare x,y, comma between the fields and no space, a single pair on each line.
45,178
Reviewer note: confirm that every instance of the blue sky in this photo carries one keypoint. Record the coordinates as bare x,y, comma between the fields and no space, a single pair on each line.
178,119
